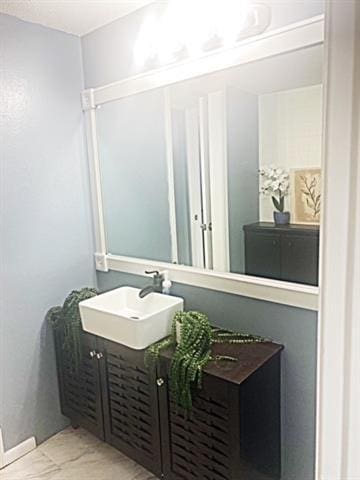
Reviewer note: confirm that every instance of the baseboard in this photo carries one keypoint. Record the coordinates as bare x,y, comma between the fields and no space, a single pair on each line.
16,452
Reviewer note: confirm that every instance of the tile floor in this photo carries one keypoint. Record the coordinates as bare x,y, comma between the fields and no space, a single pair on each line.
74,455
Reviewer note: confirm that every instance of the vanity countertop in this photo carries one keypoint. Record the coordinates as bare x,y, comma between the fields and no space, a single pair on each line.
250,357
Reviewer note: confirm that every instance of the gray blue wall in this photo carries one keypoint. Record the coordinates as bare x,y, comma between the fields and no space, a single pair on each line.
46,238
293,327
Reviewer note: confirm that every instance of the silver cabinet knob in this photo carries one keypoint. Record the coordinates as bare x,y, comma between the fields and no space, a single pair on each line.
160,382
92,353
99,355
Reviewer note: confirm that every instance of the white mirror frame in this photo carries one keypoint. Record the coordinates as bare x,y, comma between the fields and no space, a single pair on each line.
338,366
292,37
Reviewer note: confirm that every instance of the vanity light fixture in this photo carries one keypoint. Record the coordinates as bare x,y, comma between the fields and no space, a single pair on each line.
188,28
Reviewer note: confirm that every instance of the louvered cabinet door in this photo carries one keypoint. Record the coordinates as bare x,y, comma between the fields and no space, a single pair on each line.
197,446
232,432
130,405
80,391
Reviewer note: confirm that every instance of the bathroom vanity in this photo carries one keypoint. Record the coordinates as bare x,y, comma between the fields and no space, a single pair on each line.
232,433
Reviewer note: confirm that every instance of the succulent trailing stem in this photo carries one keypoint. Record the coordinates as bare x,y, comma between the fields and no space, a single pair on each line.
68,316
193,352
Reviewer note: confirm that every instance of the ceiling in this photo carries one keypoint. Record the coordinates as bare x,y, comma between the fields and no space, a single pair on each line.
78,17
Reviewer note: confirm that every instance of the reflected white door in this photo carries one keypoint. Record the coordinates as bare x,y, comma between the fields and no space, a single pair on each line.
207,180
218,174
194,186
206,225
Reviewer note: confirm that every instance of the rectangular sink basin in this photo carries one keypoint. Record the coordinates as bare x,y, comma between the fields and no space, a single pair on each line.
123,317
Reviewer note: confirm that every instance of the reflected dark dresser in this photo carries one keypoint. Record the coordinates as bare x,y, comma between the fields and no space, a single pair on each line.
287,252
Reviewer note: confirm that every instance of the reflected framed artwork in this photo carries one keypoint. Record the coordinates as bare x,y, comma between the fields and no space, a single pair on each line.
306,195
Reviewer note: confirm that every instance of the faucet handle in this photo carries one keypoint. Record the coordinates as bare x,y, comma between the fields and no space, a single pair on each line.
161,281
152,272
156,274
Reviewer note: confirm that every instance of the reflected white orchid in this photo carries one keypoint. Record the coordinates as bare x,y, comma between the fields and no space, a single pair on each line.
275,183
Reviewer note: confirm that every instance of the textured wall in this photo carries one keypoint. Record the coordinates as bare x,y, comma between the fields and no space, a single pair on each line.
46,239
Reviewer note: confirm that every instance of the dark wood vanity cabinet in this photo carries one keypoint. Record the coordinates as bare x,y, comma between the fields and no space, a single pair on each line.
130,404
232,433
288,252
80,393
113,396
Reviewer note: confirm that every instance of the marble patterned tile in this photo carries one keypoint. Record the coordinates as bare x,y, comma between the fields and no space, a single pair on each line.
144,475
75,455
68,445
103,463
34,465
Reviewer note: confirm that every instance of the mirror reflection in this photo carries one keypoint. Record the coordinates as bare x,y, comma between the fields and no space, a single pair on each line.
220,172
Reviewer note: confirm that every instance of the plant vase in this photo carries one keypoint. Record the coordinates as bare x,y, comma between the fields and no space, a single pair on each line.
282,218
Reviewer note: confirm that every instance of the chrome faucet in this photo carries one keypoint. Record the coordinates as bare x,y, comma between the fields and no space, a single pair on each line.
156,286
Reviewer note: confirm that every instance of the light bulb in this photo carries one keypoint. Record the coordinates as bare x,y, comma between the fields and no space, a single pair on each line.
194,25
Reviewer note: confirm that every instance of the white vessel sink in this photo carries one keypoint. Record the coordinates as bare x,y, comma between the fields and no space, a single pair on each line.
123,317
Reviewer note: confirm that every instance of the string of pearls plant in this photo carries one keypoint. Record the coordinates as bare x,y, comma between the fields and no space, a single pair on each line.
193,352
68,317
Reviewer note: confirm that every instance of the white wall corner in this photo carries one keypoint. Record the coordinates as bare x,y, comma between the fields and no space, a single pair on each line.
16,452
101,262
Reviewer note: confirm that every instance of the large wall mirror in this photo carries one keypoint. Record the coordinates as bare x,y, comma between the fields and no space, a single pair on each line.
193,172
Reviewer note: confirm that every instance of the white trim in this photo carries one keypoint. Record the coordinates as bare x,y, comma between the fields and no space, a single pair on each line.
2,451
95,179
218,181
205,181
296,295
338,418
291,37
87,99
170,175
15,453
352,419
101,262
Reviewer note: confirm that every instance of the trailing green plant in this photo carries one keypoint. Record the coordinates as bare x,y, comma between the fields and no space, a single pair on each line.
193,352
68,317
226,336
54,316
